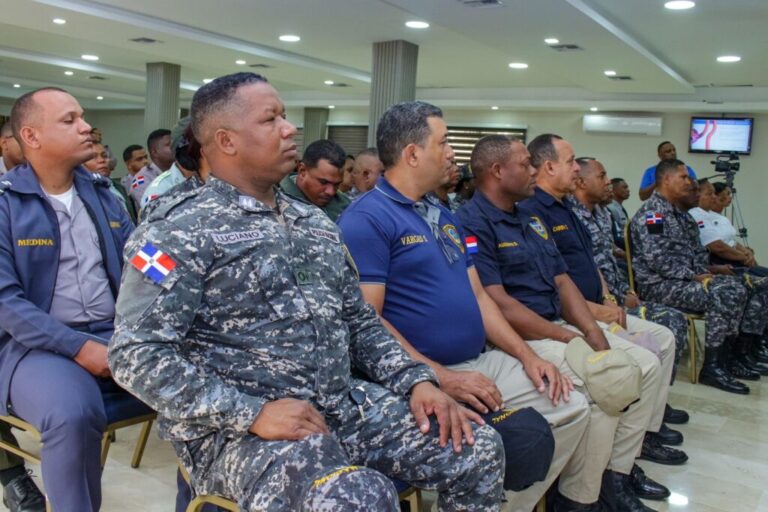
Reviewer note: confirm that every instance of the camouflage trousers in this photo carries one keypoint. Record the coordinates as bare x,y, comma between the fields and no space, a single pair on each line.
670,318
346,470
731,304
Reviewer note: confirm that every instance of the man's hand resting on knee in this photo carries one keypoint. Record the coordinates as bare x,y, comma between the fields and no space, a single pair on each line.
288,419
453,419
93,357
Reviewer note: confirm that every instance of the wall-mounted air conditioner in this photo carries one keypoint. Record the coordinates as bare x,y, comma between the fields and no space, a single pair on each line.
601,123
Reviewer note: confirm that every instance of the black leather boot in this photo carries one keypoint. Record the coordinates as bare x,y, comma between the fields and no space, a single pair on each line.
644,487
745,346
626,501
714,374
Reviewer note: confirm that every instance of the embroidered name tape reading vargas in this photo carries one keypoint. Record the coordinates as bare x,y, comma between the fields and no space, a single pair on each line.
322,233
236,236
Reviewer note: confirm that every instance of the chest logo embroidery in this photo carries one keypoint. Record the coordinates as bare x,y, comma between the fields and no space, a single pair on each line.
538,228
453,233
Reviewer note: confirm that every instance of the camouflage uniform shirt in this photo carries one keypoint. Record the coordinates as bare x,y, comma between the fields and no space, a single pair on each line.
254,304
666,243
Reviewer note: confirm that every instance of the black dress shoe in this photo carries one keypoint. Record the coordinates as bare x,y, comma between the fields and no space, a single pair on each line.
644,487
760,354
22,495
654,451
753,364
713,373
562,504
739,371
675,416
667,436
626,501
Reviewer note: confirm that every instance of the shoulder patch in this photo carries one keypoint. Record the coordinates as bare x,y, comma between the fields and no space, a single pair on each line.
654,222
538,227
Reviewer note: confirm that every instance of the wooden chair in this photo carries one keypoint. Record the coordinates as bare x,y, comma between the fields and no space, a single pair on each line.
693,335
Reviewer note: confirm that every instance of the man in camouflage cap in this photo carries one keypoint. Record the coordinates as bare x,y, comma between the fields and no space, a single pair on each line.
240,319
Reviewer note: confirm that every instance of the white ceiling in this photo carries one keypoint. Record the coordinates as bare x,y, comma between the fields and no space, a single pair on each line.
463,56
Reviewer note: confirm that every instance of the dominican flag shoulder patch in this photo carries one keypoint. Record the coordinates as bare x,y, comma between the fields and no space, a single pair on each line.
701,224
471,243
654,222
137,182
153,263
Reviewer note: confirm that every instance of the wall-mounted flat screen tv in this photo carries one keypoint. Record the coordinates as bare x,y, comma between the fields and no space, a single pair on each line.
721,135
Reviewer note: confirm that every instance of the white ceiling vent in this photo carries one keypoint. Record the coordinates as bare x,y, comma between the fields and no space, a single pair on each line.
595,123
482,3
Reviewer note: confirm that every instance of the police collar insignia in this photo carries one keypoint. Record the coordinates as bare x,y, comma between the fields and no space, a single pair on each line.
538,227
453,234
248,203
654,218
153,263
471,242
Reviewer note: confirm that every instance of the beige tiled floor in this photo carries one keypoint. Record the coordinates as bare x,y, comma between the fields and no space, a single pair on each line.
726,440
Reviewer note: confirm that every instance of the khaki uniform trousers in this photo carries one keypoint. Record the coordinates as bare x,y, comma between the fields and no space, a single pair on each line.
569,421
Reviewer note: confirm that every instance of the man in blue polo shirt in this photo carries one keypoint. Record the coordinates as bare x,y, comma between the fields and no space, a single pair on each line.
666,151
414,269
522,270
557,170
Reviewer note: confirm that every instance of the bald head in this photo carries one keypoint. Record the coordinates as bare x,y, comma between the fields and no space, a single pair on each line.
26,110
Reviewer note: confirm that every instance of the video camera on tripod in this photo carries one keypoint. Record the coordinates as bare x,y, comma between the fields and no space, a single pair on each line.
727,164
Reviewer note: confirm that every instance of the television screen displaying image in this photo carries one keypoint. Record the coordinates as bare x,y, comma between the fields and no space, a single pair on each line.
721,135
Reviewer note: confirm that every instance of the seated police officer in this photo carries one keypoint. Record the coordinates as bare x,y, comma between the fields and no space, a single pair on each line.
592,189
241,319
522,271
61,234
673,268
318,178
415,270
553,203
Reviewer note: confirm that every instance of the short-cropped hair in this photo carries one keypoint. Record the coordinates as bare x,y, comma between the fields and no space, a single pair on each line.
403,124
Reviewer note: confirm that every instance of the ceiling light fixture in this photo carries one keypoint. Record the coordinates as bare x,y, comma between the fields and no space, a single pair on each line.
59,21
99,98
680,5
518,65
609,72
290,38
552,40
89,57
593,109
494,107
417,24
16,86
69,73
728,58
328,82
331,107
240,62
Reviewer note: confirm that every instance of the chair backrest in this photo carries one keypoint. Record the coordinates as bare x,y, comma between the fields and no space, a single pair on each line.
628,256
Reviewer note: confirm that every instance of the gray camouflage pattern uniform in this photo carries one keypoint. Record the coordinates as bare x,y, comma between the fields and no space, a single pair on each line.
170,195
598,225
261,306
665,264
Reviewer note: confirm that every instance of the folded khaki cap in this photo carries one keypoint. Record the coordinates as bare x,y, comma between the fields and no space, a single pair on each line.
612,378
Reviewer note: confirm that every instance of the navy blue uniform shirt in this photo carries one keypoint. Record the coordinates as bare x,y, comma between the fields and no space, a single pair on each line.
428,299
572,239
516,250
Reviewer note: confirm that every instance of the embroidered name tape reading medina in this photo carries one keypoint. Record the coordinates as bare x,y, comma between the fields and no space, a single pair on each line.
237,236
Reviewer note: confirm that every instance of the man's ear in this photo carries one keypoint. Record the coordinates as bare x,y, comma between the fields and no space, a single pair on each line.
410,155
29,137
222,138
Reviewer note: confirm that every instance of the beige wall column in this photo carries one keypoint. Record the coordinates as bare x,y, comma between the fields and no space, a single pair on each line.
162,96
393,79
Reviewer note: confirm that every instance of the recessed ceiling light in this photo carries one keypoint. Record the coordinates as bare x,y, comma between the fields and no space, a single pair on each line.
331,107
59,21
679,5
518,65
552,40
99,98
240,62
69,73
593,109
609,72
494,107
328,82
89,57
728,58
207,80
16,86
417,24
290,38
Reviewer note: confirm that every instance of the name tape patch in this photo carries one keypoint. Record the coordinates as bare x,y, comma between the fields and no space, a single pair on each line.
237,236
